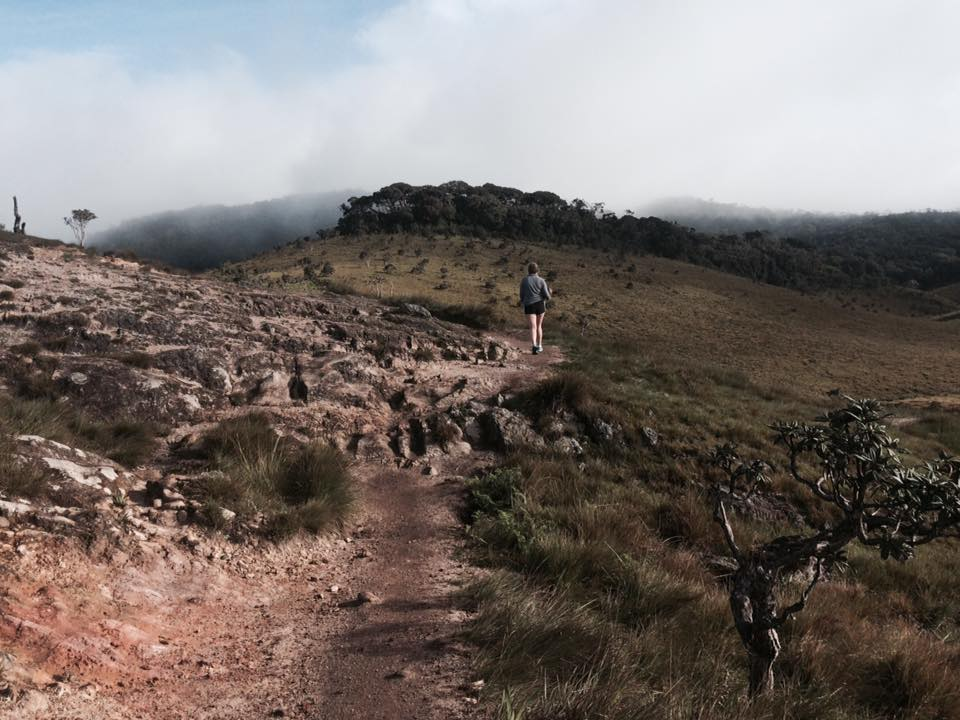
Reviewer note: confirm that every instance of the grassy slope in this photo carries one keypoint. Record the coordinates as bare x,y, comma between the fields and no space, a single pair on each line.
605,599
674,313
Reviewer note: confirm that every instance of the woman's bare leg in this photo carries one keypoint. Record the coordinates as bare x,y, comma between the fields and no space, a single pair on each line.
539,341
532,319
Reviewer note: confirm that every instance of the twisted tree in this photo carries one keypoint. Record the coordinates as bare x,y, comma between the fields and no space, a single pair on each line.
849,461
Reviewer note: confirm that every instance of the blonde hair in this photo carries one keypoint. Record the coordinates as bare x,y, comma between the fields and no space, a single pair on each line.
533,268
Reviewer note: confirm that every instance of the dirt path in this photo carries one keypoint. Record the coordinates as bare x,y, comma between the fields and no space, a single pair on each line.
361,625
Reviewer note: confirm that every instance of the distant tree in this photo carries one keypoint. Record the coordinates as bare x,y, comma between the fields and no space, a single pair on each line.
875,498
78,221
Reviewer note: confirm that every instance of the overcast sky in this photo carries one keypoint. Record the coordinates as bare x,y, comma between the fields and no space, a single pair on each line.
822,104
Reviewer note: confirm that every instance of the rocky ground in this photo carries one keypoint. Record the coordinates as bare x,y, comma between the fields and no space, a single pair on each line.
116,603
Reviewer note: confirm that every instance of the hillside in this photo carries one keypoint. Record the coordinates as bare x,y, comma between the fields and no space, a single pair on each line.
609,588
203,237
209,495
673,313
268,496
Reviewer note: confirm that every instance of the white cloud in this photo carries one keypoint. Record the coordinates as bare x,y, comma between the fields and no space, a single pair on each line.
817,105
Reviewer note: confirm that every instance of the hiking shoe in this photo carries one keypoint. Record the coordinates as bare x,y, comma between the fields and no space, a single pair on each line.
539,348
535,350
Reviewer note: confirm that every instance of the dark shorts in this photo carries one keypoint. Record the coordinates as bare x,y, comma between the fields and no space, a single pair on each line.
538,308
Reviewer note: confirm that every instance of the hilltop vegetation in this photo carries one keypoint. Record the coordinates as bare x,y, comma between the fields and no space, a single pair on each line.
911,249
204,237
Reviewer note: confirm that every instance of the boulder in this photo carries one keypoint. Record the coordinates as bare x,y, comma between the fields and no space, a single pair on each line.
650,436
458,447
414,309
272,389
569,446
507,430
220,379
602,431
373,446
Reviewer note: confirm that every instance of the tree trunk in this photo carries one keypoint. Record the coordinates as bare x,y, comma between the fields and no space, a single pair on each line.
761,656
754,607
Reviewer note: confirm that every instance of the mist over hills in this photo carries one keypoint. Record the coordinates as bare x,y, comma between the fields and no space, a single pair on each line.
719,217
789,248
203,237
798,250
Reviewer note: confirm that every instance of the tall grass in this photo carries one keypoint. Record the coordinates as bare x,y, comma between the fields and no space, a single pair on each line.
125,441
607,598
296,487
18,479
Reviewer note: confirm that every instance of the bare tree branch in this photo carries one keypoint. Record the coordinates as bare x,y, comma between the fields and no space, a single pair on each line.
720,514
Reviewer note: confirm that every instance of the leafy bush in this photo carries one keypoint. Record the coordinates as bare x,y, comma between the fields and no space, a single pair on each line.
493,492
424,354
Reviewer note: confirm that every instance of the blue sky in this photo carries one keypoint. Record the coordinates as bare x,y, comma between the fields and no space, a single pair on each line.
280,37
136,107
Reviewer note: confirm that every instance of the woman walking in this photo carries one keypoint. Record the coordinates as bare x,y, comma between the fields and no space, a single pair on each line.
534,294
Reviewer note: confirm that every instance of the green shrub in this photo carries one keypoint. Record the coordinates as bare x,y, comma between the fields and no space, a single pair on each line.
493,492
250,435
128,442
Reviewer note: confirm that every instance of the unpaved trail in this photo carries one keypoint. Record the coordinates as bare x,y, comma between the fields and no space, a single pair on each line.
280,631
318,650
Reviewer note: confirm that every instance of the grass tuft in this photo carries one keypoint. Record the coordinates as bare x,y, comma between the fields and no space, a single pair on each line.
255,470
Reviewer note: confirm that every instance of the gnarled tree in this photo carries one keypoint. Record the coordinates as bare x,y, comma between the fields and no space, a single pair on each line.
849,461
77,222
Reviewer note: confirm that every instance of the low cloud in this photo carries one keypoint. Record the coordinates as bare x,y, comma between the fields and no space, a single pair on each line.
816,105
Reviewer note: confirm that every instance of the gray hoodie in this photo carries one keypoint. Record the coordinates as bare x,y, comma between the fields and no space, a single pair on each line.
533,289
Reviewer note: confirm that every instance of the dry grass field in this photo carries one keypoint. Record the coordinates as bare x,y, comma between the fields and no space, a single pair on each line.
605,597
668,312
